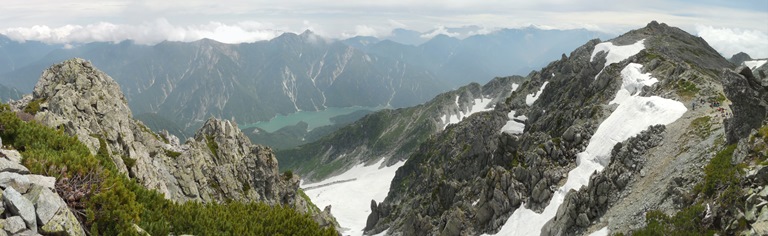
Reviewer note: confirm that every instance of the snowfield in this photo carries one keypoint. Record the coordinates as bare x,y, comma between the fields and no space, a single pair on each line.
755,64
633,115
531,98
350,194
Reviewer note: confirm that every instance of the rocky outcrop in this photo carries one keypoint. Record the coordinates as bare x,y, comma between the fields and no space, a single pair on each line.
749,103
219,164
30,204
581,208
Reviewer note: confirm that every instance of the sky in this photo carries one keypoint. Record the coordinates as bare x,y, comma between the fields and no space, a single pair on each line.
729,26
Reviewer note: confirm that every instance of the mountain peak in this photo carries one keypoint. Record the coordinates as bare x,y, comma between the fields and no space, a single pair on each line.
739,58
307,32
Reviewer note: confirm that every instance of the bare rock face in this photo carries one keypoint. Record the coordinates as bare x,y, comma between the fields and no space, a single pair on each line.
750,102
219,164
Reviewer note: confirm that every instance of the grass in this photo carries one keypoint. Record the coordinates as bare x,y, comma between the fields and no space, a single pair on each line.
686,89
701,126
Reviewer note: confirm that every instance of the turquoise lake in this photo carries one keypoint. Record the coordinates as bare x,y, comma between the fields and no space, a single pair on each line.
313,118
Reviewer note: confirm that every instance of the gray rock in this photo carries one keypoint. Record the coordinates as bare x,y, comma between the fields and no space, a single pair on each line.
19,182
20,206
46,203
12,155
749,103
27,232
45,181
6,165
14,224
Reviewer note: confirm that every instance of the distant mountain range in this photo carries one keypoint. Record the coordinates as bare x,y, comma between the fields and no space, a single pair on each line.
178,85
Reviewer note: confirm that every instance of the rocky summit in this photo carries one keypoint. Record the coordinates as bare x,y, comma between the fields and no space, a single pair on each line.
219,164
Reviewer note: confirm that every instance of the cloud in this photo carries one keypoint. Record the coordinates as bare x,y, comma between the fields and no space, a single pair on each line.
729,41
440,30
145,33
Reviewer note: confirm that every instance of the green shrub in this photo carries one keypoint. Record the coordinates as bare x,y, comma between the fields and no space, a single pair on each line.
686,222
34,106
719,173
172,154
212,145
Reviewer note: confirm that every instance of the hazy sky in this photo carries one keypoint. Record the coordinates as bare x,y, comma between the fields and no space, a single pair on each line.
730,26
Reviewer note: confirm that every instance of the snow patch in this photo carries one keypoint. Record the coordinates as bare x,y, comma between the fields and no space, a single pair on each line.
755,64
350,193
602,232
478,105
633,115
531,98
617,53
632,82
514,126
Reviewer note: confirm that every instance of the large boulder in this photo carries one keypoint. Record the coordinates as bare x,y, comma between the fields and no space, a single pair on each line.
749,103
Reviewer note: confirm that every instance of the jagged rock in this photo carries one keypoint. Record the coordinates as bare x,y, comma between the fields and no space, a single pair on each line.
20,206
7,165
749,103
14,224
19,182
53,213
592,201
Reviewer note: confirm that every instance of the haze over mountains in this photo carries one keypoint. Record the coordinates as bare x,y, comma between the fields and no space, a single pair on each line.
177,85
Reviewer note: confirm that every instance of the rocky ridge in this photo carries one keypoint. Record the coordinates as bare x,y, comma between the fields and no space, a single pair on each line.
218,164
392,134
30,204
471,176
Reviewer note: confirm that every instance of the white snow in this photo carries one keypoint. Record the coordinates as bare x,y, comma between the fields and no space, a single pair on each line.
602,232
531,98
513,126
633,81
754,64
478,105
617,53
633,115
351,200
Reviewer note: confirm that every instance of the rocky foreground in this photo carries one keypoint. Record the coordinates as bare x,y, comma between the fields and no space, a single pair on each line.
30,204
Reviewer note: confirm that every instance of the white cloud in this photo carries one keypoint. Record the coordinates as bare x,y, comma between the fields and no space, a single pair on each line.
729,41
440,30
145,33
